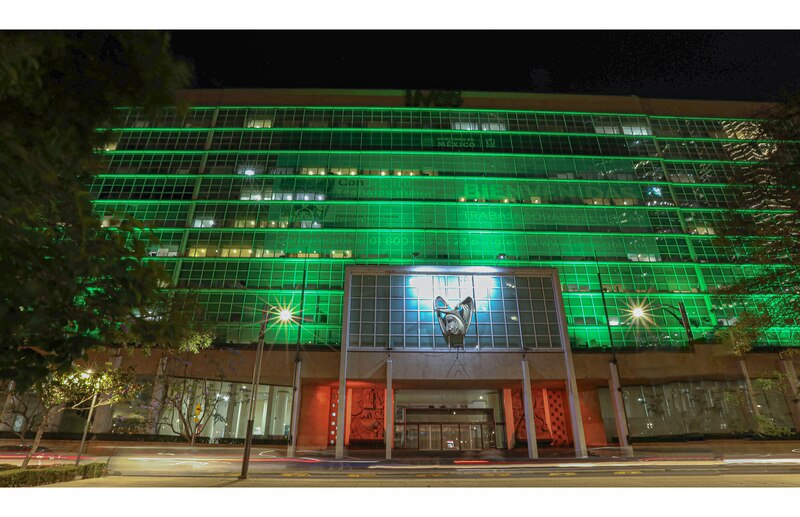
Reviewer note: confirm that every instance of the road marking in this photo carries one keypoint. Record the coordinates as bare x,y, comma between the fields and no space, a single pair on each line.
361,475
296,475
562,474
624,472
429,475
496,475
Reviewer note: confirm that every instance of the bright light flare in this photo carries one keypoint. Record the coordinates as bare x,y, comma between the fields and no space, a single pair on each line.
285,315
637,313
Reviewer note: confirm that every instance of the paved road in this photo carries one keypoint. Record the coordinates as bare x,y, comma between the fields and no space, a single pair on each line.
170,465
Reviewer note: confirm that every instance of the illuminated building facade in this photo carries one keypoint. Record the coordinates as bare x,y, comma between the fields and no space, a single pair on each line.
354,210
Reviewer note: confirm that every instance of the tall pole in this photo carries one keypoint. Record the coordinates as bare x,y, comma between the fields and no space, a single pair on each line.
290,450
248,441
86,429
615,389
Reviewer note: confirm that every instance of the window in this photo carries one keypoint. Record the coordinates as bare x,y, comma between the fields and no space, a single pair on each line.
606,129
203,222
642,257
236,252
344,172
465,126
258,123
268,253
310,224
493,126
196,252
636,130
250,195
341,254
704,230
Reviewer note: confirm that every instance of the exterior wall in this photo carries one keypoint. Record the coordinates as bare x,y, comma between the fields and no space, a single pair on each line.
314,405
618,194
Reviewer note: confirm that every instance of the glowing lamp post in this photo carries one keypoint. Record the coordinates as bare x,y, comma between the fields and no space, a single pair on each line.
639,313
284,316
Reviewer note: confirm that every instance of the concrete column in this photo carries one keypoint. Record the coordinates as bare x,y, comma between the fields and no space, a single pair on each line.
269,418
230,414
340,417
620,417
102,415
388,432
752,417
572,386
791,391
290,451
527,398
508,413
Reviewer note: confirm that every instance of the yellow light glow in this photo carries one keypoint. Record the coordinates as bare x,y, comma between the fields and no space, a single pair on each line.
638,312
285,315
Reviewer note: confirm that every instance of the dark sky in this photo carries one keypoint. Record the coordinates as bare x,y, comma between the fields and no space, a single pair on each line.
744,65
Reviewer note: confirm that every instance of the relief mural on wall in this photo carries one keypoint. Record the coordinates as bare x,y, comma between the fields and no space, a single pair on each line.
367,414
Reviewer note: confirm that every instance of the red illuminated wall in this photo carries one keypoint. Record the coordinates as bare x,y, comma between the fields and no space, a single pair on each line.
552,418
314,406
593,428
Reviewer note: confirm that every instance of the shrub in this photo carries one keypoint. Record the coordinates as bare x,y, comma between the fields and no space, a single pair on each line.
92,470
15,476
36,477
6,466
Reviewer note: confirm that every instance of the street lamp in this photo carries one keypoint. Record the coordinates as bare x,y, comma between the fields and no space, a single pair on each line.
284,315
615,387
640,312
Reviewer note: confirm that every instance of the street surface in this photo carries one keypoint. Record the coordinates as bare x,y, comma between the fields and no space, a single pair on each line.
680,465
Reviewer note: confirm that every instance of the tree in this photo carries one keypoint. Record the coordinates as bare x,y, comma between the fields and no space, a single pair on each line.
66,284
80,389
187,405
764,227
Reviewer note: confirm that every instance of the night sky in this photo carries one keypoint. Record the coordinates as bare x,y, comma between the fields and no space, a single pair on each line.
745,65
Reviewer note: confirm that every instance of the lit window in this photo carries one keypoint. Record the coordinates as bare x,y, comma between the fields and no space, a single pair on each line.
606,129
341,254
203,223
636,130
493,126
196,252
259,123
344,171
704,230
536,200
251,195
465,126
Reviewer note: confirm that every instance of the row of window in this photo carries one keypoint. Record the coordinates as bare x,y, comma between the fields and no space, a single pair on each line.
445,246
450,142
575,277
466,165
455,119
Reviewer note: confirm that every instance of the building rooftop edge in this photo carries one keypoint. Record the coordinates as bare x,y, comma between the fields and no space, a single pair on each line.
523,101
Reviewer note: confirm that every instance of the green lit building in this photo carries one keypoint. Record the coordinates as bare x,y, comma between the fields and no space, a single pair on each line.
354,210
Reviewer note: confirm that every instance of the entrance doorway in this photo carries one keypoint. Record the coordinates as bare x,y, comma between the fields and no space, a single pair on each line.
446,430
